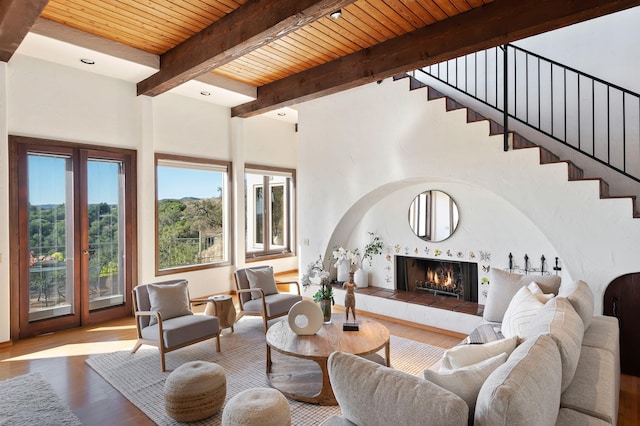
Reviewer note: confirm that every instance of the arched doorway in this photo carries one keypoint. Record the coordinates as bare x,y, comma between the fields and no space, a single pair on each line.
621,300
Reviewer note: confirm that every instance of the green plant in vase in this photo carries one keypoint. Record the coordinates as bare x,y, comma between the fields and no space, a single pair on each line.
317,274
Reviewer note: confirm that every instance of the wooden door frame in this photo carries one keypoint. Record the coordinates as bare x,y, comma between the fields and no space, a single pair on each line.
16,143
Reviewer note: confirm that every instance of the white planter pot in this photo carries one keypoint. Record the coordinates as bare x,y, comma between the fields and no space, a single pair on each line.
361,278
343,271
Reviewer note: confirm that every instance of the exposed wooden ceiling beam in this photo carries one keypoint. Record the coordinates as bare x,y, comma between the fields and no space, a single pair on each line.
251,26
495,23
16,19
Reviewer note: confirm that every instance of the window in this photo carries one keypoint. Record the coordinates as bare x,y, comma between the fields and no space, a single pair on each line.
192,213
270,211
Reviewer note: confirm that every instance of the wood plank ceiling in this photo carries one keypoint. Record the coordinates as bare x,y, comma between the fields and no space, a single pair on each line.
157,26
292,51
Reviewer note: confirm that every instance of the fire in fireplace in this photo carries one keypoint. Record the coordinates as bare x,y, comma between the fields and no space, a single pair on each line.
439,277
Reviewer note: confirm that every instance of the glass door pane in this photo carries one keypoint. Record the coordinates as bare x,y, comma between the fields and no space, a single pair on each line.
50,216
105,194
278,215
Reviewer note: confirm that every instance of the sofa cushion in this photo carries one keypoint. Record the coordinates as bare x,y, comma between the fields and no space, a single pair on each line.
261,278
593,390
603,333
466,381
464,355
567,417
171,300
180,330
371,394
504,285
525,389
558,318
522,309
581,298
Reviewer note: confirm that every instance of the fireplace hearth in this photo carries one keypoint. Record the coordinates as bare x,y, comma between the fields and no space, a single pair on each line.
438,277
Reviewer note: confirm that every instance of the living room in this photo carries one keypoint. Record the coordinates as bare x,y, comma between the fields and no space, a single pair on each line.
361,156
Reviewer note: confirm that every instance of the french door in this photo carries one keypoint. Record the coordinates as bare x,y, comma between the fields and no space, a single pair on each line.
74,242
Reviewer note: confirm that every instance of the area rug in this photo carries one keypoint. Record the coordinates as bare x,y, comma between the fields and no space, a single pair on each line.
138,376
30,400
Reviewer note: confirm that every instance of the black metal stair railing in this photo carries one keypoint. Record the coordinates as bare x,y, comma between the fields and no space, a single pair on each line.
597,118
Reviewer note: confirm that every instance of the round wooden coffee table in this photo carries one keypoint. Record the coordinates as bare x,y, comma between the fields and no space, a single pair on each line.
301,379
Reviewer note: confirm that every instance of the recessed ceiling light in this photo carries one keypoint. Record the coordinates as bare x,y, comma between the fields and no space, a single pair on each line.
282,114
336,15
87,61
205,93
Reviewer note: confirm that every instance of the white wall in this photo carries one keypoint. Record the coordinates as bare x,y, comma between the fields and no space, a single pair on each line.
365,153
598,47
50,101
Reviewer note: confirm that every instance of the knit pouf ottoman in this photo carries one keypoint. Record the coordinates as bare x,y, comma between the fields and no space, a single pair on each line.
257,407
194,391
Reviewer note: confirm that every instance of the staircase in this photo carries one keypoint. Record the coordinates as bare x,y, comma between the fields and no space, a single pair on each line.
518,141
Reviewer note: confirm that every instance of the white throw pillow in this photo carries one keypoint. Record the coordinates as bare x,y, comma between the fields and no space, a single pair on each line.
262,278
466,381
523,308
464,355
171,300
535,289
504,285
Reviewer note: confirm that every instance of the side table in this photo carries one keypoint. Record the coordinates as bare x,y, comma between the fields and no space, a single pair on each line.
222,307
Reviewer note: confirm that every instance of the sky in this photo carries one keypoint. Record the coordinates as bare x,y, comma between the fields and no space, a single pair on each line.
47,181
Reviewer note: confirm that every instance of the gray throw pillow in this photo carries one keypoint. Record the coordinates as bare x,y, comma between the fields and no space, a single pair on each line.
504,285
262,278
171,300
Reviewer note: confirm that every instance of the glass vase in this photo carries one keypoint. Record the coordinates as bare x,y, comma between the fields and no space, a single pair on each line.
325,306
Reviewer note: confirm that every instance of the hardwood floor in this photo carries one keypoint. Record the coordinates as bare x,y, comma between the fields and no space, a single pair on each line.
60,358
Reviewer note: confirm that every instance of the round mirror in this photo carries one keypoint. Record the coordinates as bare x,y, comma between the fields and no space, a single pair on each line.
433,216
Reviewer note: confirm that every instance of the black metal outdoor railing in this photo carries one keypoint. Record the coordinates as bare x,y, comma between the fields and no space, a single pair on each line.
597,118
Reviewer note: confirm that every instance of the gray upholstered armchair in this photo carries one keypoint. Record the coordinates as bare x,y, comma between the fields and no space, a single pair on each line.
258,294
164,318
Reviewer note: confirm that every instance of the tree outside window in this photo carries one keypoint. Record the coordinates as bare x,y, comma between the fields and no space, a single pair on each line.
192,212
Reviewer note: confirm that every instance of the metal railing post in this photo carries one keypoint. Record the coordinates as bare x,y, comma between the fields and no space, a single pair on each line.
506,97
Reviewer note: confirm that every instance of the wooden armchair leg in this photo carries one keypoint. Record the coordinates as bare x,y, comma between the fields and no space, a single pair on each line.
266,324
218,343
136,347
163,365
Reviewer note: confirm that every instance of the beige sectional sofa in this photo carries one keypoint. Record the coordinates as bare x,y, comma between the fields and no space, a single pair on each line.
563,368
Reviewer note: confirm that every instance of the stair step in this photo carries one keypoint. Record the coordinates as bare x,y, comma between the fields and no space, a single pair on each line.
433,94
636,213
414,83
519,142
400,76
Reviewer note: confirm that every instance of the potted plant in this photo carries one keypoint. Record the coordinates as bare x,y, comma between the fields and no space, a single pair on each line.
344,259
316,274
374,247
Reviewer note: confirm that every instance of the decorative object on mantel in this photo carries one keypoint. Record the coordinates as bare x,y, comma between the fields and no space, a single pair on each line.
542,270
557,268
374,247
343,260
305,318
324,296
